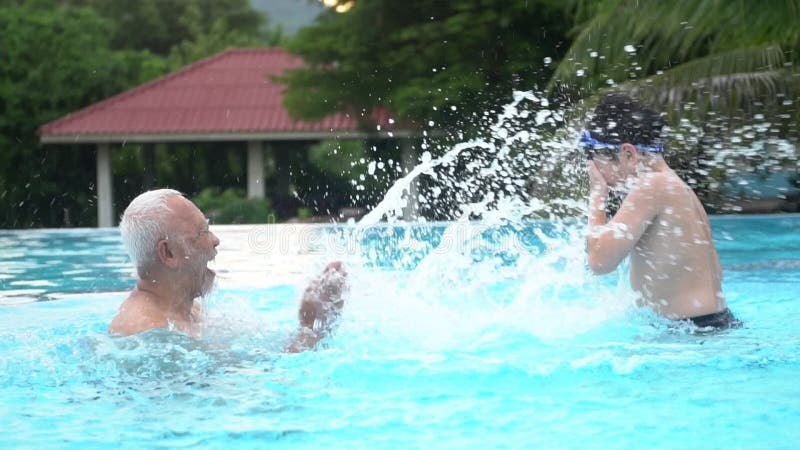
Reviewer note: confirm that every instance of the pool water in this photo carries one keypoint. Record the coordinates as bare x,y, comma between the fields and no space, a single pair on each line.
453,336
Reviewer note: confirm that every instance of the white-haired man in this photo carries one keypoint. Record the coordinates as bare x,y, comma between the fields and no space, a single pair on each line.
169,241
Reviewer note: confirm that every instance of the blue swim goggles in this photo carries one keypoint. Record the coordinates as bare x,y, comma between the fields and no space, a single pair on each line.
590,143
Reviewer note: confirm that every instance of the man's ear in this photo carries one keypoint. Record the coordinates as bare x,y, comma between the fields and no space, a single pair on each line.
165,254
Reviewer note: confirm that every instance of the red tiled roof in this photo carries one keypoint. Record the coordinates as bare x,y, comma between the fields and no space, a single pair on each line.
230,92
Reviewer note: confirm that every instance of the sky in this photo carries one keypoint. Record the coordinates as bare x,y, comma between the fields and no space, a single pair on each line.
292,14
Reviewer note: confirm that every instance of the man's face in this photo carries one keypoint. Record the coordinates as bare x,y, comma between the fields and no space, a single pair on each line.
199,244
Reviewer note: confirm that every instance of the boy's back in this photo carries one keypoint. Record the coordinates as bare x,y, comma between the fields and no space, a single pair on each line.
674,264
660,224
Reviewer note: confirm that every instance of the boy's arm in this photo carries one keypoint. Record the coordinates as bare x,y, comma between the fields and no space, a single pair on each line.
609,242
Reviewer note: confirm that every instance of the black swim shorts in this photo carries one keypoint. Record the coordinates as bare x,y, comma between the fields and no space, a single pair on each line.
718,321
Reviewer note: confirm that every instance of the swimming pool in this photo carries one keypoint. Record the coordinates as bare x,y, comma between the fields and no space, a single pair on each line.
454,336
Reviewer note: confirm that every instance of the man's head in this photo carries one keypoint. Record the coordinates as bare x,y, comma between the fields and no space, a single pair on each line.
621,133
164,232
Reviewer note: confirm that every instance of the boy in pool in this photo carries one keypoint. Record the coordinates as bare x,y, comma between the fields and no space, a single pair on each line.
674,266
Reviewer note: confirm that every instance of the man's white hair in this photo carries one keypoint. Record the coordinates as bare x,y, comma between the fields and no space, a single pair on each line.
143,224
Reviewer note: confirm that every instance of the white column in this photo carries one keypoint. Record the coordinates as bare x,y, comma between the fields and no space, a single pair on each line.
409,161
255,170
105,192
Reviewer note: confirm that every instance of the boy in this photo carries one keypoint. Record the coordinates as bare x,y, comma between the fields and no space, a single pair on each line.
674,266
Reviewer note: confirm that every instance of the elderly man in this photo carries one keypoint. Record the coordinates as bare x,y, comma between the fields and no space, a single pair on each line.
170,243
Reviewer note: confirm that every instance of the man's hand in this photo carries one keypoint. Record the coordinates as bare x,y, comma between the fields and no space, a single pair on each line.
322,301
320,307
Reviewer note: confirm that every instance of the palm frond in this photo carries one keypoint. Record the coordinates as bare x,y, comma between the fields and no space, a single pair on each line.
628,39
726,81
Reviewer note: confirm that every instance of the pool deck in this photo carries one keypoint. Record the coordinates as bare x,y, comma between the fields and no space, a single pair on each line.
269,255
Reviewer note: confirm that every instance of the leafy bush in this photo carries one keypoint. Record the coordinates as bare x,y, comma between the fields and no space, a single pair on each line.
230,206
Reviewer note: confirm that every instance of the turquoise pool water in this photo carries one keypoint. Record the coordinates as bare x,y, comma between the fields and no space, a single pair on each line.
499,339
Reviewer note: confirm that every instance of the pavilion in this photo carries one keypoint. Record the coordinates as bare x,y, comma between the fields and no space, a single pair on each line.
230,96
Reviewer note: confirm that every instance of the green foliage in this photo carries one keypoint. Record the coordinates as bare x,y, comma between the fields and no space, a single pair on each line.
341,169
219,38
304,213
55,60
183,31
337,157
161,26
419,58
725,54
231,207
59,56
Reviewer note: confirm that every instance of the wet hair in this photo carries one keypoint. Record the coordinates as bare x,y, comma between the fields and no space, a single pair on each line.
619,119
143,224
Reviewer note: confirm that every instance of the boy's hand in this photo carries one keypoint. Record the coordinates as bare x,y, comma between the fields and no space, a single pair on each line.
597,182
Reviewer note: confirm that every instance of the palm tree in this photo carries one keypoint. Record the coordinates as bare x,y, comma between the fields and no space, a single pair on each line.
725,54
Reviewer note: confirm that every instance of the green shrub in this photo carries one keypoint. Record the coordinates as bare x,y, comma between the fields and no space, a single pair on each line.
231,207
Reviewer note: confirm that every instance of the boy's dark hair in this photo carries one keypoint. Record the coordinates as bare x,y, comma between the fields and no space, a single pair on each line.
619,119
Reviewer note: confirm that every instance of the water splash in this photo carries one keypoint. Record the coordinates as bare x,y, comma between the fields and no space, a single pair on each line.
520,151
511,251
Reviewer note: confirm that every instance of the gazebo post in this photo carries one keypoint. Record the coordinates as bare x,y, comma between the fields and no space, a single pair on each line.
105,192
409,161
255,169
149,157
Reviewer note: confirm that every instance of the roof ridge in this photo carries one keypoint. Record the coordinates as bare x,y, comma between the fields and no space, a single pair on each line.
152,83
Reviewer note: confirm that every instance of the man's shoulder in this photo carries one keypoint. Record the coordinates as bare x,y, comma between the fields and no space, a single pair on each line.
136,314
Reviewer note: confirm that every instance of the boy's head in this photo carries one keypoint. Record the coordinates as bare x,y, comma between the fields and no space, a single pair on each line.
620,133
618,119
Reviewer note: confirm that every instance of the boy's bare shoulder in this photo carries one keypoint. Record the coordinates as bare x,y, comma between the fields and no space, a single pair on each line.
659,181
647,194
136,314
660,186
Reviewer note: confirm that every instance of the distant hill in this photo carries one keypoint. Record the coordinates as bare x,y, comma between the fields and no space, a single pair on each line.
292,14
